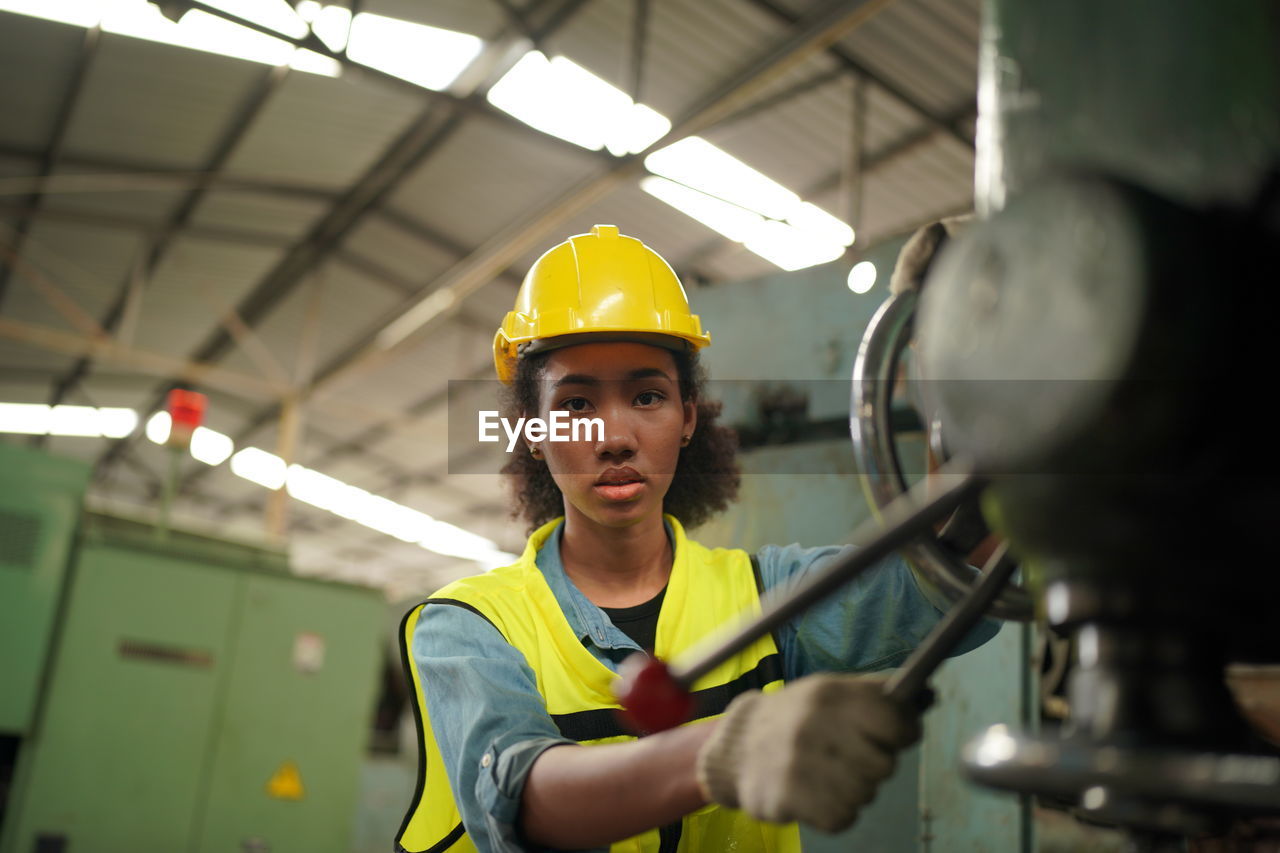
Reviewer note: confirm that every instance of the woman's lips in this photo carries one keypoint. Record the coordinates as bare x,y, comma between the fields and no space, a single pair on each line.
619,491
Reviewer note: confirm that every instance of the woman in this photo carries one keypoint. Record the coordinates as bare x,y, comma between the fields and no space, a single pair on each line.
513,669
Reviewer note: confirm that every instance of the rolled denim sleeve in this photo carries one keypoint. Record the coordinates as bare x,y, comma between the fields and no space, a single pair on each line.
872,624
489,720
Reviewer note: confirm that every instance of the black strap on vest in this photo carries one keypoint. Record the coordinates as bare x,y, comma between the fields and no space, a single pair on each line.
669,837
406,661
604,722
440,846
596,723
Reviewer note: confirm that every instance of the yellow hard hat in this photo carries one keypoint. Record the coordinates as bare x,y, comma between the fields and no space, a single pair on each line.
602,285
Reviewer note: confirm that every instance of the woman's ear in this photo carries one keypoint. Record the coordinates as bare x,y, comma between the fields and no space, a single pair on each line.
690,422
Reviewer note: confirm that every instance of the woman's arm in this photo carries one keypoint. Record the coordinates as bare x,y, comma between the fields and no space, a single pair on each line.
871,625
814,751
591,796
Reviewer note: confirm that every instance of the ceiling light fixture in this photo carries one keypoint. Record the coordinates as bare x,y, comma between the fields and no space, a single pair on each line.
560,97
82,421
745,205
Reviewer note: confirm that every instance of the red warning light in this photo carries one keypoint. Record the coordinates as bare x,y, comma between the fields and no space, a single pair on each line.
186,412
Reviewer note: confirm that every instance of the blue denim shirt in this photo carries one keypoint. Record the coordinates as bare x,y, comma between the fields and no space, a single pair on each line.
491,723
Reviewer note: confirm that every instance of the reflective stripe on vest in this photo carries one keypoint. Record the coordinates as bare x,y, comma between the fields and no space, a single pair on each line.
707,588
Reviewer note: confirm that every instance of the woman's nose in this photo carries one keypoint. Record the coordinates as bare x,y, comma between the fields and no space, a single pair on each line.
619,440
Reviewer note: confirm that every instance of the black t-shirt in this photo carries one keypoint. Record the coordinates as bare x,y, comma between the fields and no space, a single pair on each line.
640,622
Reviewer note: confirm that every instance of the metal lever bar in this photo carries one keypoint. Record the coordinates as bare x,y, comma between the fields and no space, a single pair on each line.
904,520
907,684
656,697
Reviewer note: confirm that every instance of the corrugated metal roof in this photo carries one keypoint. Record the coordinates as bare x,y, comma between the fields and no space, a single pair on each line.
927,47
63,261
267,213
466,16
692,47
413,259
324,131
487,176
36,68
346,305
77,190
155,108
171,119
195,284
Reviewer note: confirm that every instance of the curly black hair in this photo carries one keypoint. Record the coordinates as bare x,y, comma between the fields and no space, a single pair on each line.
707,476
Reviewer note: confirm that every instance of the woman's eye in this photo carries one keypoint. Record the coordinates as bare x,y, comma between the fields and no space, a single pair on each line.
649,398
575,404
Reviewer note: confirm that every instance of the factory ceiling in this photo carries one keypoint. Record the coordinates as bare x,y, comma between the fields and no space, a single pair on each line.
321,248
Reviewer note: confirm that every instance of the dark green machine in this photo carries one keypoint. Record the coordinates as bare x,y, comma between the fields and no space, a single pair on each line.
192,694
40,498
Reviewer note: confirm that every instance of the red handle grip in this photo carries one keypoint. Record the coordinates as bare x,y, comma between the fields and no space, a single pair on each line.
652,700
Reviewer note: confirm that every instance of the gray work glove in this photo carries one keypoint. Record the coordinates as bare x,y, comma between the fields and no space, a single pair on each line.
921,248
813,752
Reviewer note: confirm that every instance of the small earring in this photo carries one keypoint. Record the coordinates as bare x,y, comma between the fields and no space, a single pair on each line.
535,452
684,440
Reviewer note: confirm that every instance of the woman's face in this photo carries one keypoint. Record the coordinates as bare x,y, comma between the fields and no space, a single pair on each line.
621,477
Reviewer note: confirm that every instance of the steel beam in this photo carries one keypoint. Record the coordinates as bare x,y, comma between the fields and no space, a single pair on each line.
135,175
146,227
237,129
639,43
422,135
782,96
404,155
519,22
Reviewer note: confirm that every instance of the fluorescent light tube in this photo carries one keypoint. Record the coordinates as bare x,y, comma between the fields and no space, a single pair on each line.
210,446
158,426
259,466
560,97
427,56
24,418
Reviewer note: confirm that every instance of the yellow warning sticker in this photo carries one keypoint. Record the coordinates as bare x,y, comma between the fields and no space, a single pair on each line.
286,783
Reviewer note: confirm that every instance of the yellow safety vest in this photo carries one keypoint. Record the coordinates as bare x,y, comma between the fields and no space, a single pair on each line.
707,588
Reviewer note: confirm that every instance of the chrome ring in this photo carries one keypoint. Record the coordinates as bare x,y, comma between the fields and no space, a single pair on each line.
874,372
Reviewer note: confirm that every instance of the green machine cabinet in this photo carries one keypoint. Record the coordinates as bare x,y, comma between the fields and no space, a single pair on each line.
296,713
40,498
200,699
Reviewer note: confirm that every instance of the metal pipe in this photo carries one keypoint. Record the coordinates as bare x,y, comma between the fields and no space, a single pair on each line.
904,520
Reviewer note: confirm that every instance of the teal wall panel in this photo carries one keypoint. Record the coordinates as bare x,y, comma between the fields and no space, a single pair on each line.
976,690
779,507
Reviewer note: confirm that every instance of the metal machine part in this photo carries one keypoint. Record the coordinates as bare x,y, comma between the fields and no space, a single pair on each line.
874,375
656,697
1094,345
1089,401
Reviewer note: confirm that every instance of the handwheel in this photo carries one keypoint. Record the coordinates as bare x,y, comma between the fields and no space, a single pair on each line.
940,559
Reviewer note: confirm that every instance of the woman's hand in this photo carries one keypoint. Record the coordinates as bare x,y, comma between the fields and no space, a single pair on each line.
814,751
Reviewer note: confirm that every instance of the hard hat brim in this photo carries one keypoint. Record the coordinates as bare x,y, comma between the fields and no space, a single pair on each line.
657,339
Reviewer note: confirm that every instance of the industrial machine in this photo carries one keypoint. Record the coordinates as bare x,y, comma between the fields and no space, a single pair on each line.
1088,357
1092,347
172,692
